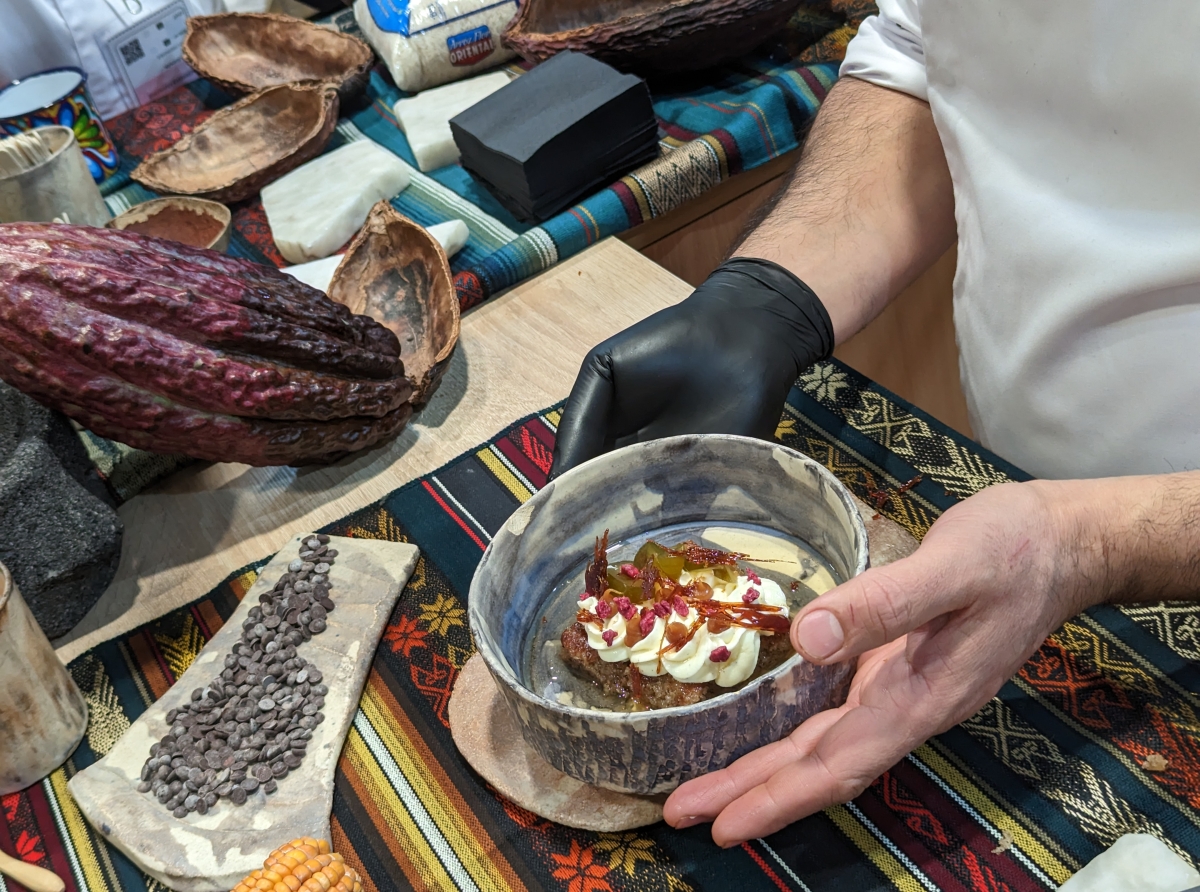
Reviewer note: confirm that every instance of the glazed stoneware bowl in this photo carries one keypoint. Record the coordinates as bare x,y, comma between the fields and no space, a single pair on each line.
634,491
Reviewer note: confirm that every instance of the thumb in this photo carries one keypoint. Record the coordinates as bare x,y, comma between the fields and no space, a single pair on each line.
583,431
879,606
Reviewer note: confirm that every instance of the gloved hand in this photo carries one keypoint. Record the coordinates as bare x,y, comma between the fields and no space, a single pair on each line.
722,361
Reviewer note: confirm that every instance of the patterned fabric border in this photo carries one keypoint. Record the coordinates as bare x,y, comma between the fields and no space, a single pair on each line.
1017,798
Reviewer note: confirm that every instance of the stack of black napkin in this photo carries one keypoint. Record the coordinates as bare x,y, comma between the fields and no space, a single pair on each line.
570,126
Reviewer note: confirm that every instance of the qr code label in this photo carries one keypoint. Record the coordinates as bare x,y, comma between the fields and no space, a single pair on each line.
131,52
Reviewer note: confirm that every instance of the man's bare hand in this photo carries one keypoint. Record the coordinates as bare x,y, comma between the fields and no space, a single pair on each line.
936,635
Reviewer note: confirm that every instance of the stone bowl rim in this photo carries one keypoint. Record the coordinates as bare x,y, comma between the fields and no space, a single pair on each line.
624,454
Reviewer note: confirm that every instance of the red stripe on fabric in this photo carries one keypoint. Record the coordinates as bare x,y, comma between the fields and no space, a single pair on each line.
587,228
814,84
157,655
633,210
897,829
976,844
680,133
458,520
763,129
521,461
46,824
542,431
766,868
733,153
207,619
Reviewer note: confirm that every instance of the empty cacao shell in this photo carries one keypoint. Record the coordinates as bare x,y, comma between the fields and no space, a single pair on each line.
244,146
245,52
395,272
647,36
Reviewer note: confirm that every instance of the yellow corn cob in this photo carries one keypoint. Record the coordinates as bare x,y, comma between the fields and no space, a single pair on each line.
303,865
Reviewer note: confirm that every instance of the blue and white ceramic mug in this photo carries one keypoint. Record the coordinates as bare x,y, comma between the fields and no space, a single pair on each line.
60,96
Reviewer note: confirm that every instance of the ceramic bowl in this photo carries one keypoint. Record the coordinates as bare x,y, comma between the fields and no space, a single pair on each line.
142,218
637,490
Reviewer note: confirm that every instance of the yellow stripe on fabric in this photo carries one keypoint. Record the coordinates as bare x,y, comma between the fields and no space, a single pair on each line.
81,841
595,225
504,475
553,417
384,800
1046,860
874,849
466,847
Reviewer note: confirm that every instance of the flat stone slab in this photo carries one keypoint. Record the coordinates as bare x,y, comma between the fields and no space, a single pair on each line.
213,852
489,738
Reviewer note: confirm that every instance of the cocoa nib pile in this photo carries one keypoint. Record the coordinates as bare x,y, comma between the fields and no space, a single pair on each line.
251,725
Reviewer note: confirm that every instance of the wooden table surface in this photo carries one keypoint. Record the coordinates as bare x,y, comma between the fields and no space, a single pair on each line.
518,353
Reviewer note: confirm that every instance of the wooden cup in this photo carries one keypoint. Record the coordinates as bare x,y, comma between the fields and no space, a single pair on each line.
43,715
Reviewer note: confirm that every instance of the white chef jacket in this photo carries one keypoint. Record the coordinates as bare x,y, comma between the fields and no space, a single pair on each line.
40,34
1070,128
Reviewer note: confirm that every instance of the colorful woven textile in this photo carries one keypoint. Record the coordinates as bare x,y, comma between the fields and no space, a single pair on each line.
1017,798
735,119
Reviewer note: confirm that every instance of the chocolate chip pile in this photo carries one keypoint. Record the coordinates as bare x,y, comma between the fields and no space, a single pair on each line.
251,725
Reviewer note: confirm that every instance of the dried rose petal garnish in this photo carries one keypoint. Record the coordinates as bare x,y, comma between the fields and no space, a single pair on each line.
609,636
662,608
646,623
631,571
583,596
751,596
625,607
680,606
719,654
752,576
603,609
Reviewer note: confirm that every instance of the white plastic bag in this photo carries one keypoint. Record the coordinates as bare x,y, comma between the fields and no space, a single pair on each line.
429,42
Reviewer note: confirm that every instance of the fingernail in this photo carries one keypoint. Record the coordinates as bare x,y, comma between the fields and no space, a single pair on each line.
820,635
688,821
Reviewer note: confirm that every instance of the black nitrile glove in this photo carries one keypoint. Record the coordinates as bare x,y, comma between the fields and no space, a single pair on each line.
722,361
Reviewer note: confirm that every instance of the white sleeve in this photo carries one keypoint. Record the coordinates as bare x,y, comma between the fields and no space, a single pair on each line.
34,37
888,51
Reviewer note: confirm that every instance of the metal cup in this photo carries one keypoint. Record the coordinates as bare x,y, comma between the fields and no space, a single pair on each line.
60,188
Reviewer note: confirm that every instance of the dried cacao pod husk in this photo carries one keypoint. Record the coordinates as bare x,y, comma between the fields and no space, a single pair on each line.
244,52
244,146
396,272
650,37
177,349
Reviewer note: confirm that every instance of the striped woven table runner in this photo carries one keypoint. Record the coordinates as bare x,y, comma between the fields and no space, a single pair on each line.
1017,798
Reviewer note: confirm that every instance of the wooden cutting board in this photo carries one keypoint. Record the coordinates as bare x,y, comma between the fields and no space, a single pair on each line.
213,852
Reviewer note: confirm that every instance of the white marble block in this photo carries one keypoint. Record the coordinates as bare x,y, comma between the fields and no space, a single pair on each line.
451,235
214,851
425,118
317,273
315,209
1136,862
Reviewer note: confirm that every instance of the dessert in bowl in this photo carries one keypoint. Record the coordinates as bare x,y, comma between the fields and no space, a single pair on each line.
732,529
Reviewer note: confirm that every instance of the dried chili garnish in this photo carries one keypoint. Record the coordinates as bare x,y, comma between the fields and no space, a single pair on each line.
705,557
595,577
880,497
